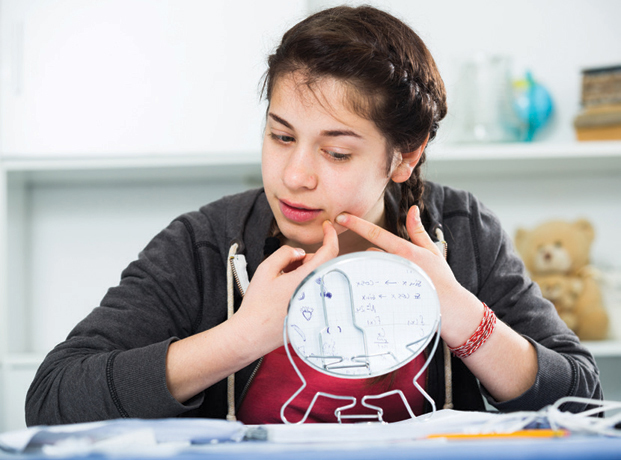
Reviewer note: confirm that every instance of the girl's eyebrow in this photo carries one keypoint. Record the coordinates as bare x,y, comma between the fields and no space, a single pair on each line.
280,120
341,132
326,133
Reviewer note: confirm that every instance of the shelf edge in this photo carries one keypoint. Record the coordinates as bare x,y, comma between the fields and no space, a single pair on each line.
604,348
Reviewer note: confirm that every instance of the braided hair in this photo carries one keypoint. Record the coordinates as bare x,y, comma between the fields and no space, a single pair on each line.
389,75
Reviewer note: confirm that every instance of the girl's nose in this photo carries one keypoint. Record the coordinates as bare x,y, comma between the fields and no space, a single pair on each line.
300,171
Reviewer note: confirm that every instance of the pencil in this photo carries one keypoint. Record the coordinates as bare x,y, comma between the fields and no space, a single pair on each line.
535,433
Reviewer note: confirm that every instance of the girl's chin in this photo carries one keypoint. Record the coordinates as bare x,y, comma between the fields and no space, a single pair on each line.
307,239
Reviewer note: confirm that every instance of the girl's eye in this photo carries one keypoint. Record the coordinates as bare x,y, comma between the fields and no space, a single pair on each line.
338,156
284,139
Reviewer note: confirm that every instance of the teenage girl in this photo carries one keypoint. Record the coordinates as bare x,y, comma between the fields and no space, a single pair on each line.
354,98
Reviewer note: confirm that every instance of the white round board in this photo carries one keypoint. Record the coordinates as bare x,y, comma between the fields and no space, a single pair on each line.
363,315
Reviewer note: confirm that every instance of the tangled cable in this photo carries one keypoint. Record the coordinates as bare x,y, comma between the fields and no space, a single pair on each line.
586,422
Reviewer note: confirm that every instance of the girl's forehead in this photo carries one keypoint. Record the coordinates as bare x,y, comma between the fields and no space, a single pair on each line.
327,96
325,92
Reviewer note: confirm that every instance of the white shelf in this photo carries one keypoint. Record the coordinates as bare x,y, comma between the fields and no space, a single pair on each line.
116,161
600,349
605,348
527,151
440,152
533,159
23,360
128,168
468,159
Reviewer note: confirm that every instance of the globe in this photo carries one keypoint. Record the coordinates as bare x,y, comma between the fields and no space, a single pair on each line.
533,106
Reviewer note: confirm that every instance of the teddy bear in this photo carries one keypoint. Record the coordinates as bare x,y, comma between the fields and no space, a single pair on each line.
557,255
578,302
562,291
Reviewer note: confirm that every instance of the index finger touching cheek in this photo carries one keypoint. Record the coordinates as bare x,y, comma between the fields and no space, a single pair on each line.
371,232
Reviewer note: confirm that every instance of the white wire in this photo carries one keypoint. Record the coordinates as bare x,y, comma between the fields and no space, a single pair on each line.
585,422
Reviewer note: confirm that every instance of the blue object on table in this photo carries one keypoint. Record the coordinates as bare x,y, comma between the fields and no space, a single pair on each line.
533,106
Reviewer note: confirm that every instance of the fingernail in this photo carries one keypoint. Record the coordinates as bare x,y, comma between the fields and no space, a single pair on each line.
300,251
417,213
340,219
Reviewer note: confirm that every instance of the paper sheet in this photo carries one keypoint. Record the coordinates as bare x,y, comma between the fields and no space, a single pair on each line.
97,436
443,421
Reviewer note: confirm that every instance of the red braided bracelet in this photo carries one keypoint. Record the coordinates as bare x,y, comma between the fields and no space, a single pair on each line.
480,336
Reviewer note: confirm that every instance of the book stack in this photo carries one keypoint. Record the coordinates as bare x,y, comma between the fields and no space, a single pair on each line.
600,118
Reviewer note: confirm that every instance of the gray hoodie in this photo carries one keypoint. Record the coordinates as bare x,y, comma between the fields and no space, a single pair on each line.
112,364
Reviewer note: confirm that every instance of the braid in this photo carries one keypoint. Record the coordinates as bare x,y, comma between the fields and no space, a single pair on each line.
407,200
411,195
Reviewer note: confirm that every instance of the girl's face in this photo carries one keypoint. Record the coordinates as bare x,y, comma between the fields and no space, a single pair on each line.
320,159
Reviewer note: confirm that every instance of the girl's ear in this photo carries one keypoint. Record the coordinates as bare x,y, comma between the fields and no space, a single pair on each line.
409,160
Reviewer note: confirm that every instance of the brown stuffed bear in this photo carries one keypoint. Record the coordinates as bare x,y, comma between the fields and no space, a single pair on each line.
578,302
556,253
562,291
556,247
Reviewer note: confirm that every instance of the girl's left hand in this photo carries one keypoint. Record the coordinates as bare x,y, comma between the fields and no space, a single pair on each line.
506,365
454,298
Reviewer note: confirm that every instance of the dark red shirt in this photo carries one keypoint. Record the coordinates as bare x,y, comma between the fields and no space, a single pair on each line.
276,381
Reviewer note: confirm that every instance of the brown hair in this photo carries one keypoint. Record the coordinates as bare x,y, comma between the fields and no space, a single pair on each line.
388,71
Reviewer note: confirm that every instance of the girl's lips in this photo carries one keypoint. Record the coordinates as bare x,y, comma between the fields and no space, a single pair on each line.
297,213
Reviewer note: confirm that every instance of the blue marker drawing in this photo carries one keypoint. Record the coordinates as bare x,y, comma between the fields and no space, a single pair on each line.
307,313
297,329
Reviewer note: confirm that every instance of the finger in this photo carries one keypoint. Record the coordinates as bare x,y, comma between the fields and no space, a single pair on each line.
281,259
329,248
371,232
294,265
375,250
417,232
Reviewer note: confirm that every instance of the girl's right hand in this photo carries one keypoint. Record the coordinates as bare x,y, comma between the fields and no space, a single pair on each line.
264,307
198,361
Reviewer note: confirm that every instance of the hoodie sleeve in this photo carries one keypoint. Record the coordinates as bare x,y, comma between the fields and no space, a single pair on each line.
565,366
113,363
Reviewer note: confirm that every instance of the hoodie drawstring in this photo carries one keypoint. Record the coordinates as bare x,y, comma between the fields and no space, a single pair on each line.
230,301
448,368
